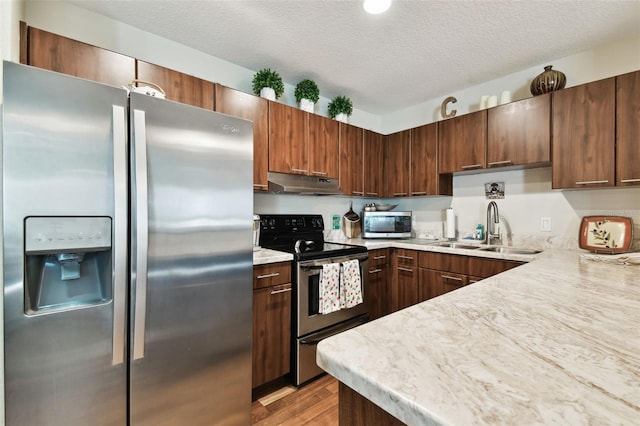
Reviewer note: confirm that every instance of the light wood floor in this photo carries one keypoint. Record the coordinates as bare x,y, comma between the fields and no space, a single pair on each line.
315,404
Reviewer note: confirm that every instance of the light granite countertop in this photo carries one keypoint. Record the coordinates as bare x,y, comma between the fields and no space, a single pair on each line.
554,341
263,256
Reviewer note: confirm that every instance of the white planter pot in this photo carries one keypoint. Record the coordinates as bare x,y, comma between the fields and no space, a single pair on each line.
342,117
307,105
268,93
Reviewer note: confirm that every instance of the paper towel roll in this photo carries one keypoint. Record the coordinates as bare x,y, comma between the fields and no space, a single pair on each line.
450,232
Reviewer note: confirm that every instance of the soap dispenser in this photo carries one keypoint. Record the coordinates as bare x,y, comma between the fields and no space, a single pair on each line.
479,232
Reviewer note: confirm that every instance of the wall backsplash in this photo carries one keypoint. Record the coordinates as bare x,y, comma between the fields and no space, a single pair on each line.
528,198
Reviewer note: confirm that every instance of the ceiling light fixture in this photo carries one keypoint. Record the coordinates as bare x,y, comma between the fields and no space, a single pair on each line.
376,6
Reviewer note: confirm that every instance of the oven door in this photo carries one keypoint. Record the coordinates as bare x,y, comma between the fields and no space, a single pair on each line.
308,318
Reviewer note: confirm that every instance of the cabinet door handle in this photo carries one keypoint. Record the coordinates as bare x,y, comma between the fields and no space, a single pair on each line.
405,257
449,277
372,193
405,269
300,170
419,193
260,185
499,163
275,274
629,180
471,166
399,194
589,182
284,290
375,271
357,192
379,257
313,172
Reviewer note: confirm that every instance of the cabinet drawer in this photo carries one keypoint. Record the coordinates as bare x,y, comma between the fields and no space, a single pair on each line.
378,257
406,258
479,267
444,262
271,274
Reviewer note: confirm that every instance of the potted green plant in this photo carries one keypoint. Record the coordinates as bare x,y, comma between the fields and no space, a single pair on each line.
268,84
340,108
307,94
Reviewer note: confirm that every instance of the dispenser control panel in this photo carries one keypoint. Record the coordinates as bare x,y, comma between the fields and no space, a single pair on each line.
66,234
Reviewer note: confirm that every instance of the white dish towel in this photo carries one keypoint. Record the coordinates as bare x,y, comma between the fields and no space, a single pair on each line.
330,288
350,284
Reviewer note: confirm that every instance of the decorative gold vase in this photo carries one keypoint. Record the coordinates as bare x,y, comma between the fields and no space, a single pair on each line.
548,81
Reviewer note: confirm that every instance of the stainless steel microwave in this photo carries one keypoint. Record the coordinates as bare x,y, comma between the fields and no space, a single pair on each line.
388,224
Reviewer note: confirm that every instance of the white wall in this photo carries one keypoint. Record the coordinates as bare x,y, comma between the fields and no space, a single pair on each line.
602,62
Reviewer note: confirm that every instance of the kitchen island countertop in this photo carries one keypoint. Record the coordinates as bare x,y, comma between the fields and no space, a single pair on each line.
555,341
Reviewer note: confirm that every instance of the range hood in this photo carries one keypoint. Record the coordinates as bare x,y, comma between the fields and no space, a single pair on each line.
299,184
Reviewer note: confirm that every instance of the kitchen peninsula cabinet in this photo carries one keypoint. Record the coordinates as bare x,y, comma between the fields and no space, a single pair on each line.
628,129
64,55
380,295
271,322
519,133
351,160
405,278
177,86
584,136
398,164
462,143
256,109
374,177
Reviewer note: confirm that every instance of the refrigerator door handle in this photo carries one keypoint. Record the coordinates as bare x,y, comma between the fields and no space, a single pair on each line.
142,232
120,231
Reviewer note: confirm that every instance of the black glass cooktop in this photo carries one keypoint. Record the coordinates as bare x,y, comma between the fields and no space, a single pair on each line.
302,235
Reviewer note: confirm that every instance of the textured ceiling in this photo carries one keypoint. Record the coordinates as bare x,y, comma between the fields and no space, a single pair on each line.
418,50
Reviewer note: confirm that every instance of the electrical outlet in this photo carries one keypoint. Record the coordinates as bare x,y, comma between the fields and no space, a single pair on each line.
545,224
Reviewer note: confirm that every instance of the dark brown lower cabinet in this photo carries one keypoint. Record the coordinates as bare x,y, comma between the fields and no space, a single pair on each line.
405,278
271,322
441,273
380,295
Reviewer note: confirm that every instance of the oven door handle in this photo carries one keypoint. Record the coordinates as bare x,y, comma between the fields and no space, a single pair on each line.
316,337
314,266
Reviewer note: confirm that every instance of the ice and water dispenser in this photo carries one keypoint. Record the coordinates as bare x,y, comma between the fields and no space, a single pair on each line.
67,263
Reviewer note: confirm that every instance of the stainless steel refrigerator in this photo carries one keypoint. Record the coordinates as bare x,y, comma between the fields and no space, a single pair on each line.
127,267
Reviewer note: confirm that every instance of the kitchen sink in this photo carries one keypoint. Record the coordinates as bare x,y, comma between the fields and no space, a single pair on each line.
457,245
511,250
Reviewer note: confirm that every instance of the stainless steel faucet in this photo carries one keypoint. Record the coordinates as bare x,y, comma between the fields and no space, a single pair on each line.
493,218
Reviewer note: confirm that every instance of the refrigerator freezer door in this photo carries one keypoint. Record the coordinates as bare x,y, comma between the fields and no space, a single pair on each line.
58,161
191,326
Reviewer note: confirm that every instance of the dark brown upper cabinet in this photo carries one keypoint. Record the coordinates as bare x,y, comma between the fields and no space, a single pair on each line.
177,86
584,136
398,164
519,133
628,129
64,55
462,143
351,160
